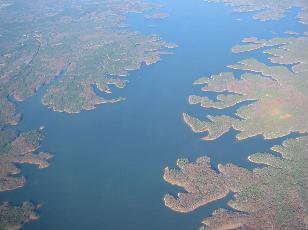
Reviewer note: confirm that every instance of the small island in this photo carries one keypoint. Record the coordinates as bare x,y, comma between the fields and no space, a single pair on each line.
157,16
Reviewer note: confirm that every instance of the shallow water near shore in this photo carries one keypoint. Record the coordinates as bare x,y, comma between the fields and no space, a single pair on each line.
108,163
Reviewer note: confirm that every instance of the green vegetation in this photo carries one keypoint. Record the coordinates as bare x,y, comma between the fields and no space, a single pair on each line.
276,94
83,43
14,217
274,196
268,9
18,149
79,50
8,113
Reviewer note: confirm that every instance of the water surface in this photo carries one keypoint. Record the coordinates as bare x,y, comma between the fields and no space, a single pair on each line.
108,163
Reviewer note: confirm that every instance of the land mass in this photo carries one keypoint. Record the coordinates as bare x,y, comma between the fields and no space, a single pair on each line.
72,48
268,9
271,197
14,217
19,149
276,94
79,50
270,100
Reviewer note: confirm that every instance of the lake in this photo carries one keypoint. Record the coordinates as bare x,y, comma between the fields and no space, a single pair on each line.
108,163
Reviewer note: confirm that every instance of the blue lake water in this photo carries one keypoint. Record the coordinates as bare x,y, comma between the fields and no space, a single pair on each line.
108,163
